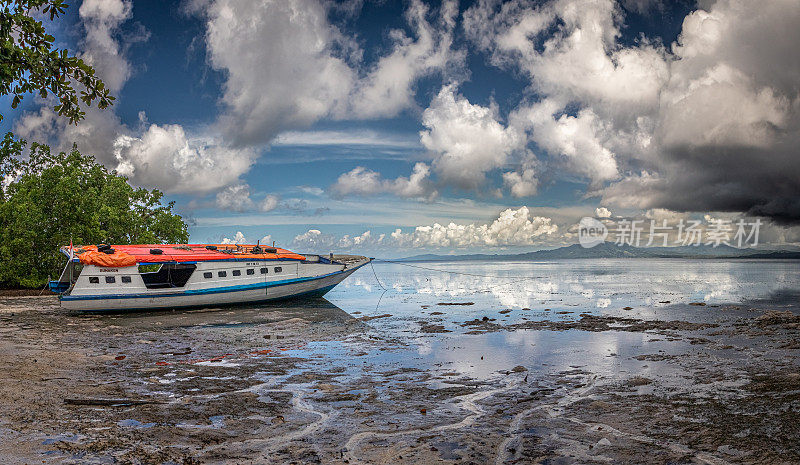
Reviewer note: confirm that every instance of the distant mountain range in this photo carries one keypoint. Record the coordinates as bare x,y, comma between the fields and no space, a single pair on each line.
611,250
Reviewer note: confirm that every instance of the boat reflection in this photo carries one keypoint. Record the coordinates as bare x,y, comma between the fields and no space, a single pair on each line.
311,310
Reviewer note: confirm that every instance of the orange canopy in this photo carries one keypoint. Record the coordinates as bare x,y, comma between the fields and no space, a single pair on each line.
129,255
117,259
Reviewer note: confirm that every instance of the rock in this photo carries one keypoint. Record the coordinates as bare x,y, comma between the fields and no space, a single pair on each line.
519,369
368,318
776,317
426,328
627,308
728,450
504,311
639,381
698,304
600,405
603,443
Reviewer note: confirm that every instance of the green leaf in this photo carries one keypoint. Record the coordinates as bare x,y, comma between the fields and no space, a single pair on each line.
30,64
58,196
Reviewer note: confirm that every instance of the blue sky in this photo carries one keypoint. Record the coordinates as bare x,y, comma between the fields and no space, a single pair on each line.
326,125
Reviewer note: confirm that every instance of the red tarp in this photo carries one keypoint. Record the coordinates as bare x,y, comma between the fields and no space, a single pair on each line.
129,255
115,260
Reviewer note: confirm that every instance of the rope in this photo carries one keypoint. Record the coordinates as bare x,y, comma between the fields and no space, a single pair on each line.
45,286
515,278
376,277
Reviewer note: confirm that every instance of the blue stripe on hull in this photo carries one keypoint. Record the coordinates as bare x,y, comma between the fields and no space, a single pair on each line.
316,293
192,292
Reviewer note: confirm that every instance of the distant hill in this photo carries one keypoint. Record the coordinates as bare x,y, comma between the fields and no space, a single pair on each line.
784,254
611,250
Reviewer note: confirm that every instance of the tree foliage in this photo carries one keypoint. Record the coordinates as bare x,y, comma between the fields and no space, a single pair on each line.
49,199
29,63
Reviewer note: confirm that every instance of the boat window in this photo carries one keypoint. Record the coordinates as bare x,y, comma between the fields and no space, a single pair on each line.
169,275
110,280
278,269
237,272
264,270
250,271
149,268
94,280
208,274
126,279
222,274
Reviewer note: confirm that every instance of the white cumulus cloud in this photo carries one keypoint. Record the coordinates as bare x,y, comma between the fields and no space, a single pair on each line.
102,49
710,122
512,227
313,241
162,156
388,87
238,238
467,140
602,212
522,183
281,65
101,21
365,182
165,157
236,198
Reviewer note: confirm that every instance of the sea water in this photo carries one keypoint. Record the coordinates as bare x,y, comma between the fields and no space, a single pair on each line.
563,290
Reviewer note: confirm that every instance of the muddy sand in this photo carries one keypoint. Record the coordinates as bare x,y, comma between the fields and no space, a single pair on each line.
309,383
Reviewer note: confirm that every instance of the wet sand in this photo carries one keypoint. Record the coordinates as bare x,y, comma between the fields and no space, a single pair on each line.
307,382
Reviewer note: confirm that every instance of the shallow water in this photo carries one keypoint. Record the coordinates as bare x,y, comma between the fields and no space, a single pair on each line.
573,361
557,291
597,286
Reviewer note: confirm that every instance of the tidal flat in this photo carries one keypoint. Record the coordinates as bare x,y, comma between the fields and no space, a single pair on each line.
570,361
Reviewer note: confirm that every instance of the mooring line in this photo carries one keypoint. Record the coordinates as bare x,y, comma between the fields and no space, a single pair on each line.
376,276
516,278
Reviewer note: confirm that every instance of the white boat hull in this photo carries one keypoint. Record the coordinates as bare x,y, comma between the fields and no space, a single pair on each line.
230,293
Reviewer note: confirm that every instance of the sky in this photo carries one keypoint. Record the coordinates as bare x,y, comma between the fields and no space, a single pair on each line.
395,128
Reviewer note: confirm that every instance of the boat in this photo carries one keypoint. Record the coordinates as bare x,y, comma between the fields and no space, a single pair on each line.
101,278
